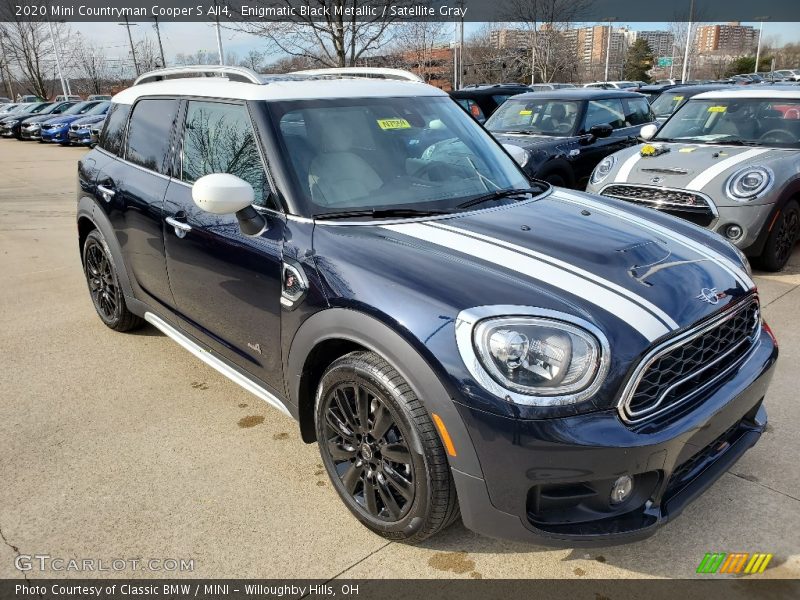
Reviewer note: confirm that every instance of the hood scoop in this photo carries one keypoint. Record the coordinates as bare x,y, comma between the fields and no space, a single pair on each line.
665,171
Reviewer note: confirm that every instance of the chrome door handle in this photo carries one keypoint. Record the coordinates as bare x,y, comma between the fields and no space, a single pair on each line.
181,228
106,193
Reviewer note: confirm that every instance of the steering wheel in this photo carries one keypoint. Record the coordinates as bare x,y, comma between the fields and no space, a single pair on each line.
435,171
778,135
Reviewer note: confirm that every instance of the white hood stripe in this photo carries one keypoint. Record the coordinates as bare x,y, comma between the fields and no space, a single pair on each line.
735,270
644,303
708,175
626,167
639,318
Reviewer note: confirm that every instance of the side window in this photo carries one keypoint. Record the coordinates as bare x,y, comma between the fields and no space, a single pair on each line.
219,138
149,133
637,111
113,135
600,112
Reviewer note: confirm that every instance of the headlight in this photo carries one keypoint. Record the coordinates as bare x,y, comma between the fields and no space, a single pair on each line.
602,170
749,183
550,361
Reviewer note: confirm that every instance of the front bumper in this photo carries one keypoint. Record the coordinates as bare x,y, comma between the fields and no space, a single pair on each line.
81,136
30,134
548,481
55,135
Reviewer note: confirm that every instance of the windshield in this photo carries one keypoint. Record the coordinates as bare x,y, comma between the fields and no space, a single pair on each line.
666,103
99,109
746,121
535,116
414,153
81,108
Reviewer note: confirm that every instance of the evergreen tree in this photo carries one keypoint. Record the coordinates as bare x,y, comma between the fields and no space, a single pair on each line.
639,62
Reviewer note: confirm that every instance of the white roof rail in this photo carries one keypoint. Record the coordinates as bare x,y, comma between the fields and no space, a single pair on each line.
241,74
375,72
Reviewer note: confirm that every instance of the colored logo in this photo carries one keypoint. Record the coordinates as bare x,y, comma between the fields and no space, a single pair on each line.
734,562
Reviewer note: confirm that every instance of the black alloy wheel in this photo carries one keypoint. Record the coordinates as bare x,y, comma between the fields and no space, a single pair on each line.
782,239
382,451
104,288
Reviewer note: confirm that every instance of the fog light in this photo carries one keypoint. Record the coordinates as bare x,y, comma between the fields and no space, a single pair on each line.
733,232
622,489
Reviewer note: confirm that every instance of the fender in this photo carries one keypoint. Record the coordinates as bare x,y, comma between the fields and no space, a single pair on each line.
367,331
791,191
88,209
557,165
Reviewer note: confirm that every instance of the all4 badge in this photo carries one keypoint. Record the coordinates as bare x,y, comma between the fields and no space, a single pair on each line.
650,150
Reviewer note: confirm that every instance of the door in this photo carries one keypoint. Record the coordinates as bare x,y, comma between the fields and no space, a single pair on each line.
131,188
607,111
226,285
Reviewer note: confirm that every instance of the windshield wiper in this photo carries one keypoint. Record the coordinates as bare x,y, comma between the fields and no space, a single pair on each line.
517,131
733,143
500,194
378,213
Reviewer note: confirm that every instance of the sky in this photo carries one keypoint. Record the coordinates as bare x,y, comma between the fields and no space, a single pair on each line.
188,38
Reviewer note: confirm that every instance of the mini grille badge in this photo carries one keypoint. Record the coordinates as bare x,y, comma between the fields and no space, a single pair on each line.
656,179
710,295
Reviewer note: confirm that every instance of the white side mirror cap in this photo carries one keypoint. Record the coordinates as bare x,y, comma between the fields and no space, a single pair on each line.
222,193
648,132
520,155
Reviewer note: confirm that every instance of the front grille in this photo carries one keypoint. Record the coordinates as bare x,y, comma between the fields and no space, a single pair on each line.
680,203
682,371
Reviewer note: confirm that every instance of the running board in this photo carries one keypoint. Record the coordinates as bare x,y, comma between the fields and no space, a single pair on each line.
215,363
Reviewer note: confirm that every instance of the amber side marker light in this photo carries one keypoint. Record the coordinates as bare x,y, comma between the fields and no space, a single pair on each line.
768,329
448,442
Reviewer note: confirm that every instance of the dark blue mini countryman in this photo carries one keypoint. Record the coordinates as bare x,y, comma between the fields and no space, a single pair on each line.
460,341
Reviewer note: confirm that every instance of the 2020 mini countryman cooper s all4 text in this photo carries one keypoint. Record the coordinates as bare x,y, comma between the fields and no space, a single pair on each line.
458,339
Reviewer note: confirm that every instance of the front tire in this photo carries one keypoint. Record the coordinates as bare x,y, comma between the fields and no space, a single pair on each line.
104,288
781,240
381,450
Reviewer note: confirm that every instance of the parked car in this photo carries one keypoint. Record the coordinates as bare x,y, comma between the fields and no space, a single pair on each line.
29,98
726,160
57,128
31,127
667,82
654,91
671,99
7,109
80,130
70,98
449,332
560,136
482,101
546,87
614,85
99,97
95,131
10,125
789,74
4,100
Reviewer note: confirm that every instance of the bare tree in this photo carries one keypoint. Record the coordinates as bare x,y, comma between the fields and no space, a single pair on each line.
334,40
200,57
485,61
552,52
29,49
92,64
254,61
415,42
148,55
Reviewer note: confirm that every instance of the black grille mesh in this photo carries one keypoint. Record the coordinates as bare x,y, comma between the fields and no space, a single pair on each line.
681,373
686,205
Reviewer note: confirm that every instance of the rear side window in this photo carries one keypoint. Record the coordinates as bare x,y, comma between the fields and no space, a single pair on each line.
219,138
637,111
149,133
113,135
472,108
605,112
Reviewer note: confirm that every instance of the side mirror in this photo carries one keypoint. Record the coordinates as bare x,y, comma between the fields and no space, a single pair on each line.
601,131
648,132
225,194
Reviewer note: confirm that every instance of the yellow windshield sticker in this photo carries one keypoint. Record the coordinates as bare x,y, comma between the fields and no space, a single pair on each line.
717,108
677,98
394,124
526,112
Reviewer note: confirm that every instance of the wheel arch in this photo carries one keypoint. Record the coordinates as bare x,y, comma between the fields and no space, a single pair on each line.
557,166
331,333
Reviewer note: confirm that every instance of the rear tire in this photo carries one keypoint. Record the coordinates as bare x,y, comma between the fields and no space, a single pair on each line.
382,451
104,288
782,239
555,179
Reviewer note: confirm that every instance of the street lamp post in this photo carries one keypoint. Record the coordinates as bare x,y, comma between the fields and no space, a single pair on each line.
128,26
160,45
685,70
58,61
758,46
608,46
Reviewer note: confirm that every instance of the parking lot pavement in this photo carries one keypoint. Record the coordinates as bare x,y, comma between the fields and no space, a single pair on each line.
125,446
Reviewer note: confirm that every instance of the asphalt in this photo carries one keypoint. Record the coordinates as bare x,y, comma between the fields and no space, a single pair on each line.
124,446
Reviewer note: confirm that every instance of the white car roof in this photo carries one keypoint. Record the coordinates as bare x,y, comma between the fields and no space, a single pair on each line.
750,92
288,88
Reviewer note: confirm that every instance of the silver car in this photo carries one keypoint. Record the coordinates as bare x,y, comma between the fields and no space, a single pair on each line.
726,160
